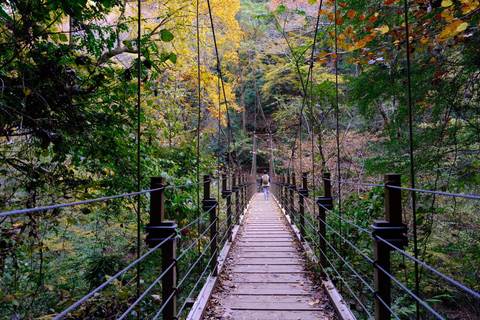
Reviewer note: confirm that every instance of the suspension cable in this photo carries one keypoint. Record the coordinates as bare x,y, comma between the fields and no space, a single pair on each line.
412,163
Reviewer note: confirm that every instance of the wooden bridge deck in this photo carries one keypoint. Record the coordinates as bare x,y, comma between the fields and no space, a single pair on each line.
265,275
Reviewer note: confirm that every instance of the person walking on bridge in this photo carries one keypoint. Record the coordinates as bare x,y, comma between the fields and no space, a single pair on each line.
265,184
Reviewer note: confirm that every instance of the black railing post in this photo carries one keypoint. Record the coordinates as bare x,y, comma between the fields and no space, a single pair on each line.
302,195
293,189
227,194
235,189
324,203
159,231
242,194
210,205
393,231
287,197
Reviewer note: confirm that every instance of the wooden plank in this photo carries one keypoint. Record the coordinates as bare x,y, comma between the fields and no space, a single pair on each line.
267,261
270,315
268,269
268,277
279,289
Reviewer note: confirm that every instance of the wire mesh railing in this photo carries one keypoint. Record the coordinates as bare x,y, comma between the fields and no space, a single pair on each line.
182,254
367,256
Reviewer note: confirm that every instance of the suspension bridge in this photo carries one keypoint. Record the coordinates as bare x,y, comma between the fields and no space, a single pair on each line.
295,256
254,265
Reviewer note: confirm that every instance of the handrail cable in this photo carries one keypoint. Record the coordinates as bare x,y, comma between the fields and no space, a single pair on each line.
170,297
71,204
459,195
373,262
190,270
203,273
467,196
193,243
343,280
336,215
139,299
103,285
341,236
423,303
386,305
195,286
448,279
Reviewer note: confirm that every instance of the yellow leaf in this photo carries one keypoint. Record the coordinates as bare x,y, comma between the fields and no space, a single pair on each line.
446,3
469,6
433,60
384,29
27,92
462,27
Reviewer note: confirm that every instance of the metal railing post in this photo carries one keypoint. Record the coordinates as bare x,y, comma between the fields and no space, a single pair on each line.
158,231
235,189
293,189
210,205
302,195
324,203
393,231
227,194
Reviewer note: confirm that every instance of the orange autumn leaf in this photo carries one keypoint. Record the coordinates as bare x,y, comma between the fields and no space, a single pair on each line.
388,2
343,5
368,28
369,38
372,19
331,16
362,43
339,20
322,55
351,14
333,55
383,29
469,6
331,33
361,17
323,60
341,37
323,12
350,60
451,30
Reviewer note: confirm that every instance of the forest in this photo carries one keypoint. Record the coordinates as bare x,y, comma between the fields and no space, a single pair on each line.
97,96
